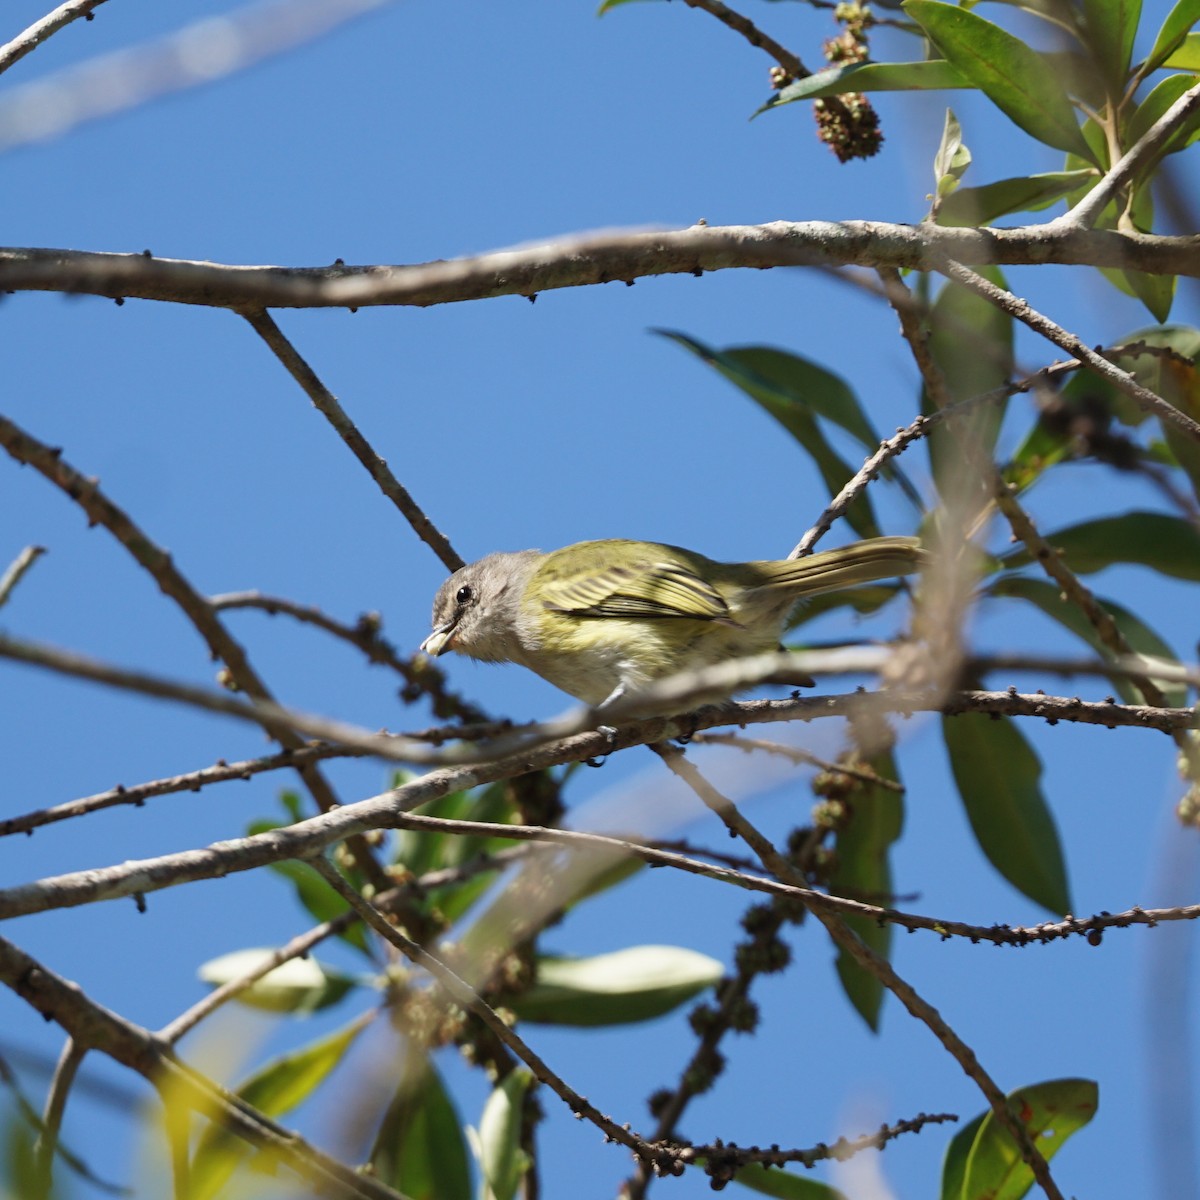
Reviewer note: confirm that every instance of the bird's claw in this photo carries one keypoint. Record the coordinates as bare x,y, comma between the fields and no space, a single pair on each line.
610,735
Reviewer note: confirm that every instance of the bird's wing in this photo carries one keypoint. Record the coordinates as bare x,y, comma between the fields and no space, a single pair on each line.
648,589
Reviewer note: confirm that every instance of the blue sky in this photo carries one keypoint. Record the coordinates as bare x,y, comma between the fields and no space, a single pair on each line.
423,132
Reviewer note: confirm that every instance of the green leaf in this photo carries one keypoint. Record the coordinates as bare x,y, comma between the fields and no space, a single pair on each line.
954,1164
1141,638
1187,56
1169,545
1154,107
274,1090
608,4
952,159
420,1149
795,416
300,985
1011,74
1047,443
931,75
1110,27
783,1184
635,984
501,1158
863,871
1051,1113
319,900
1028,193
998,777
971,341
1171,34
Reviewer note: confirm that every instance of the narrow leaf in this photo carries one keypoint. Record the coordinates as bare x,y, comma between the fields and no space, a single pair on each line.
795,418
300,985
1171,34
875,818
420,1149
999,779
1186,57
635,984
1051,1113
954,1164
1141,638
500,1154
274,1090
1011,74
932,75
972,343
1169,545
783,1184
952,159
1110,27
1028,193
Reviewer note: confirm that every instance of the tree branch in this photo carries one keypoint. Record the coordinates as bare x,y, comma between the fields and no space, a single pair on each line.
589,259
31,38
327,404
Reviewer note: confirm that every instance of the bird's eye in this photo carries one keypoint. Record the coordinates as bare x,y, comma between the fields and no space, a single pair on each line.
464,595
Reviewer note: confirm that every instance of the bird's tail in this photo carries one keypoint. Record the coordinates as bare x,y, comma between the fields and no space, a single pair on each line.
860,562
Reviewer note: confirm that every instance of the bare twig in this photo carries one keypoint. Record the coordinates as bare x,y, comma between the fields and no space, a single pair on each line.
327,404
1145,399
723,1159
1085,214
31,38
65,1071
797,755
462,993
755,36
191,781
873,963
1003,495
100,510
587,260
16,569
893,446
97,1028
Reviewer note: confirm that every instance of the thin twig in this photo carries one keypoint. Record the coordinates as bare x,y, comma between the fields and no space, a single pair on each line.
303,943
191,781
723,1159
1085,214
421,676
755,36
796,755
1143,397
31,38
462,993
1004,494
158,563
65,1071
96,1028
327,404
870,961
16,569
896,445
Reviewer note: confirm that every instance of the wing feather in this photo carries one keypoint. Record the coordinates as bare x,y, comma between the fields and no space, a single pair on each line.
644,589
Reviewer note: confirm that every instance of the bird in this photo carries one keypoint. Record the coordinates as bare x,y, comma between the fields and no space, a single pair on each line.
602,620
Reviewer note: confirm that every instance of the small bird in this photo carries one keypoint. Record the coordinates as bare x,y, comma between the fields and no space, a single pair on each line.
603,619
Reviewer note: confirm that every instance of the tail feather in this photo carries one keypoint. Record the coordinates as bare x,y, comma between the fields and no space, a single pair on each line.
861,562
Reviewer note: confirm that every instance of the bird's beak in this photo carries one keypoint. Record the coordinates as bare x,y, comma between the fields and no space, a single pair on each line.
438,642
